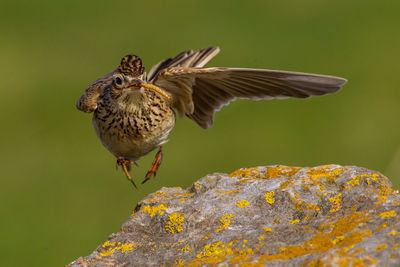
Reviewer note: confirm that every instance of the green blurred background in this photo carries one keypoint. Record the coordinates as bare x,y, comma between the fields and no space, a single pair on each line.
60,194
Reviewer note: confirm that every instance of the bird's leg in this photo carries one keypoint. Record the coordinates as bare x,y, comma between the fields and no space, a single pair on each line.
154,166
126,167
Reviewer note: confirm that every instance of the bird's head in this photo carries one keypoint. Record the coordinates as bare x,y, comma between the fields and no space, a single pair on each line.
126,77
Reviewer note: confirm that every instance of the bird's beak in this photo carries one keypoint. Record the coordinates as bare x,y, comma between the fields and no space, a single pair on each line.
138,84
135,84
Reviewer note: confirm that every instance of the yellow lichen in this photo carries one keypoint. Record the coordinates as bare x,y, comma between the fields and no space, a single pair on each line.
154,210
242,203
386,190
184,194
218,249
111,247
385,224
226,192
382,199
324,171
225,221
177,262
184,249
294,221
393,232
269,197
311,206
267,229
354,181
395,247
388,214
175,223
380,247
197,186
336,202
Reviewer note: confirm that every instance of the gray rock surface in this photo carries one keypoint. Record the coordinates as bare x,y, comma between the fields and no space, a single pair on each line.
265,216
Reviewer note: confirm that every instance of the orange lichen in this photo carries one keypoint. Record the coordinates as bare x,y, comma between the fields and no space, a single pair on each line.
338,239
245,172
285,184
357,251
294,221
280,171
380,247
175,223
242,203
322,241
269,197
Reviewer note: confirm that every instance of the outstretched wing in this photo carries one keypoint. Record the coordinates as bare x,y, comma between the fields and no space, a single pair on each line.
88,100
198,93
189,59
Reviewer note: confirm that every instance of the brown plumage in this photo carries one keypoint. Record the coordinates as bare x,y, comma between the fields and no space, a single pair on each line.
134,111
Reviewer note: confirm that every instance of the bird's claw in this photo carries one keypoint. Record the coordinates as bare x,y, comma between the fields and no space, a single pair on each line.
126,165
154,166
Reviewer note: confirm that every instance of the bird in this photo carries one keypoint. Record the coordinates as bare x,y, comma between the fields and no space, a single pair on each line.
134,111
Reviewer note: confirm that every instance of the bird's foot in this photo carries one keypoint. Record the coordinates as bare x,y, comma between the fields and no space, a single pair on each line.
154,166
126,167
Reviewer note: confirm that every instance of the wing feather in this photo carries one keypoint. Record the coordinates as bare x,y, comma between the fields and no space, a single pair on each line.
88,100
187,59
199,92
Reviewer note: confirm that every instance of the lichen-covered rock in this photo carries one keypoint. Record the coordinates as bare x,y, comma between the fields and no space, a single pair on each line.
274,216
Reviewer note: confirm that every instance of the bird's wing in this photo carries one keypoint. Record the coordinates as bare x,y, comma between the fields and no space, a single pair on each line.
199,92
189,59
88,100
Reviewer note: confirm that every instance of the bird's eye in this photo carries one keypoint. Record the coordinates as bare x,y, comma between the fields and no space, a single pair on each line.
118,81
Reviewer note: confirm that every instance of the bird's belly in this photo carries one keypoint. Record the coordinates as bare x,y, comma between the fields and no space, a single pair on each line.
131,138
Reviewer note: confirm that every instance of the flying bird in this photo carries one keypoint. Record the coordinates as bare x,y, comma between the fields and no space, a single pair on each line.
134,111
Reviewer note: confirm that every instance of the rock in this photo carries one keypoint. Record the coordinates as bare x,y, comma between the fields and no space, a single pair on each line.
274,216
